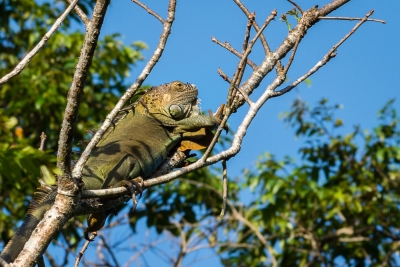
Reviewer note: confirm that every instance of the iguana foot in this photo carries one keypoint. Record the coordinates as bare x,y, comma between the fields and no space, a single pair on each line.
133,186
96,221
86,235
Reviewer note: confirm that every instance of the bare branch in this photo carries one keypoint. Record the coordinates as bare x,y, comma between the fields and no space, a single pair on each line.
82,251
227,46
62,209
235,81
224,188
237,77
332,6
81,14
129,93
247,33
250,47
42,141
22,64
354,239
286,69
331,53
349,18
255,25
244,95
296,5
104,243
151,12
76,91
309,18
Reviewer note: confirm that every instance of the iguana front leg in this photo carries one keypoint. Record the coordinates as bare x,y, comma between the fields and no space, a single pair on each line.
132,186
191,124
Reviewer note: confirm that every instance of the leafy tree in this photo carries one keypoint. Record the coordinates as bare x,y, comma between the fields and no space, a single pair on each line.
338,204
44,83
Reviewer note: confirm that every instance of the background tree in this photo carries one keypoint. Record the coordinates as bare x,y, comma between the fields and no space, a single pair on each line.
175,207
34,101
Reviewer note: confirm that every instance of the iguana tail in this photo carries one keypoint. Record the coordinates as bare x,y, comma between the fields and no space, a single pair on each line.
42,200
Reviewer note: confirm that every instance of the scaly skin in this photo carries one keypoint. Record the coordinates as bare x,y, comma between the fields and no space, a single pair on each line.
135,147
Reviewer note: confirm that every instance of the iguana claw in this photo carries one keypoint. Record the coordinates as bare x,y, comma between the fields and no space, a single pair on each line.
133,186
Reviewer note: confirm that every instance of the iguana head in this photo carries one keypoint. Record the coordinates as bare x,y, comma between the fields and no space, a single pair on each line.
174,100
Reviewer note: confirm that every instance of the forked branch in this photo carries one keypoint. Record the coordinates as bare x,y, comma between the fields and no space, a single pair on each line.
331,54
62,209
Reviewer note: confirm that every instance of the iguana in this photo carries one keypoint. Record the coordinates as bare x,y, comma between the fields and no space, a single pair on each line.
134,147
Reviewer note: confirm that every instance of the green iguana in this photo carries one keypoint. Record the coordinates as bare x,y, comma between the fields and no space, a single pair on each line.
135,147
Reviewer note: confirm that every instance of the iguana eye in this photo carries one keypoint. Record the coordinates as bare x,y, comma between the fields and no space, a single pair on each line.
175,111
178,86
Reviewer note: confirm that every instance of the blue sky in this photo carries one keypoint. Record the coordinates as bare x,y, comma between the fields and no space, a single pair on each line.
362,77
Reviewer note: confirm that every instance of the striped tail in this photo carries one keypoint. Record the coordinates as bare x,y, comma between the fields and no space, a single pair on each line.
42,200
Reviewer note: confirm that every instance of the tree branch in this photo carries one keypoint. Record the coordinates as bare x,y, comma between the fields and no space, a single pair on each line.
228,47
62,209
81,14
331,53
349,18
22,64
151,12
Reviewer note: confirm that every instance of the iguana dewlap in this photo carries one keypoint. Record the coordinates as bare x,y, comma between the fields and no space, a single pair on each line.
136,146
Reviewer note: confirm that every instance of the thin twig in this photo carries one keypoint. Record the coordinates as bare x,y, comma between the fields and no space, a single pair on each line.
51,259
108,248
247,33
22,64
296,45
82,251
43,137
151,12
246,49
75,93
349,18
227,46
255,25
224,188
81,14
240,69
226,78
237,77
331,53
296,5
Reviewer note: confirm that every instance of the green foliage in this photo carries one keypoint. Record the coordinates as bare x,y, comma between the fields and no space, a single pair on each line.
338,205
292,13
35,100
